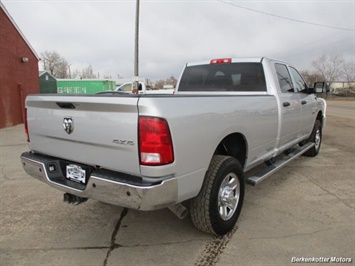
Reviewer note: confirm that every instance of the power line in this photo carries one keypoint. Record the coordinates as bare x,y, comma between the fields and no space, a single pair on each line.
277,16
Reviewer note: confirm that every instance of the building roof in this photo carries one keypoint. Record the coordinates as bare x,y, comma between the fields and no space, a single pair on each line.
42,72
18,30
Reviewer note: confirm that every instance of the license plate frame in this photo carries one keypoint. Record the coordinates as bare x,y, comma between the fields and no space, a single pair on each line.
76,173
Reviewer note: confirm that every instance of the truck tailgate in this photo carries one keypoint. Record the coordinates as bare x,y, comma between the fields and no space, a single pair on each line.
93,130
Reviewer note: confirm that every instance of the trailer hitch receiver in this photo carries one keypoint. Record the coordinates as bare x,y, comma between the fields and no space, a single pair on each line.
73,199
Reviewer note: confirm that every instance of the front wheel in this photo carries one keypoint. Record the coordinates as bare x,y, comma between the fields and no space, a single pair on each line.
217,207
315,137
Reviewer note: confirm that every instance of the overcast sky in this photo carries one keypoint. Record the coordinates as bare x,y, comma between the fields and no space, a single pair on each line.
173,32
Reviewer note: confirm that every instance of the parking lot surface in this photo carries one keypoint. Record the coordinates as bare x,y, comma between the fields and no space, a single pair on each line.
306,210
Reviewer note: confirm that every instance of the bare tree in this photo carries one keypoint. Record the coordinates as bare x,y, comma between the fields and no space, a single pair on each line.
349,77
59,67
55,64
329,66
349,72
171,81
311,77
75,74
168,81
88,73
62,70
159,84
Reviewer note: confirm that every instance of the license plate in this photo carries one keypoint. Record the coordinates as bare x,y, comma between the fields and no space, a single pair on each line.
76,173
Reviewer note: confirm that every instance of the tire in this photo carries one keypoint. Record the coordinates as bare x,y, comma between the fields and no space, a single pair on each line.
316,138
217,207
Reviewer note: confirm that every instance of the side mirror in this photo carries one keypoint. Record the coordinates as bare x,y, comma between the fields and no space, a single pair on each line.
320,87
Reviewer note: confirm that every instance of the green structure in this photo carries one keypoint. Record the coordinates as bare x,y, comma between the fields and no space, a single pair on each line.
47,83
84,86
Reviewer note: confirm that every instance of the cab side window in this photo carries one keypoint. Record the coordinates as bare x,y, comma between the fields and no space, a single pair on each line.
284,78
300,85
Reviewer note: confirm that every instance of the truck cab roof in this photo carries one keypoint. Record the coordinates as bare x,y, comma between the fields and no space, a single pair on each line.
231,60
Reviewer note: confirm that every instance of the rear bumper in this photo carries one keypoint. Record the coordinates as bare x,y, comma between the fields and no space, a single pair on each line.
103,185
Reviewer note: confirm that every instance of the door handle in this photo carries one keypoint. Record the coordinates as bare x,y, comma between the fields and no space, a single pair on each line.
285,104
304,102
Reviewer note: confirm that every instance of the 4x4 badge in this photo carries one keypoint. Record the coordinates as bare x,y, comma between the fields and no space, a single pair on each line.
68,124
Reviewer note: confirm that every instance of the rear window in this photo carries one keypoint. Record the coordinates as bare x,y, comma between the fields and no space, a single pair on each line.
224,77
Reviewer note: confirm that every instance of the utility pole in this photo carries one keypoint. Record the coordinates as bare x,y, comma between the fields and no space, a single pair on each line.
136,50
69,71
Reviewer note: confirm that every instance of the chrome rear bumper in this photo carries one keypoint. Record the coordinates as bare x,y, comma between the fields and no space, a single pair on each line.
106,186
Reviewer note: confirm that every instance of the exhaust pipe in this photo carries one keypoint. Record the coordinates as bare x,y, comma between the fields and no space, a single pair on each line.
179,210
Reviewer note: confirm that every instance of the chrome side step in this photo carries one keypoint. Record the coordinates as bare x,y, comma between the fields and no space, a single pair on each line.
266,172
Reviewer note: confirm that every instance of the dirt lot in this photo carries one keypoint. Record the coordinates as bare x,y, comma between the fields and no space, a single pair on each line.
306,210
340,130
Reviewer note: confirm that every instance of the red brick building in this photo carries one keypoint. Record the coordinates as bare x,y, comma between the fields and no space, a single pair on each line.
18,71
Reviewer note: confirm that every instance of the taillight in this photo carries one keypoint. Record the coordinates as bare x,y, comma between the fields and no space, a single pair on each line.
26,126
221,61
155,144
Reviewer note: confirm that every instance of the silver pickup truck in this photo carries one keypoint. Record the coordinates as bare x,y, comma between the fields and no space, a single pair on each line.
193,149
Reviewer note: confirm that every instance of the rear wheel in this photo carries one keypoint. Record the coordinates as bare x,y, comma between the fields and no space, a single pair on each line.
315,137
217,207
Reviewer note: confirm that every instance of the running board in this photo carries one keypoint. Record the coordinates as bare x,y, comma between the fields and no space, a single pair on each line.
266,172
